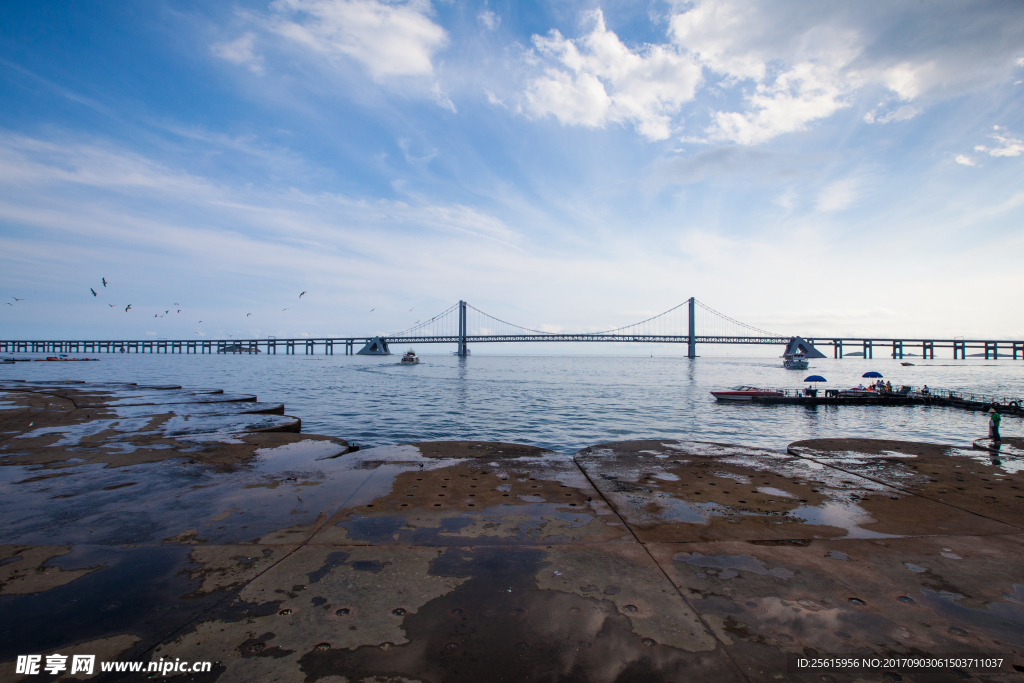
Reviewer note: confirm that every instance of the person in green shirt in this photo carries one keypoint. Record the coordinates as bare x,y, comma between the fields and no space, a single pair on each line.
993,425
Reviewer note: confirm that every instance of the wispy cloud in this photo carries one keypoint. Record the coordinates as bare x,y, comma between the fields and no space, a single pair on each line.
841,194
240,51
388,38
489,20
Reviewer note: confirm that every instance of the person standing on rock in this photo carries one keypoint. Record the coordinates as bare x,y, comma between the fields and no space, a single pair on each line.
993,424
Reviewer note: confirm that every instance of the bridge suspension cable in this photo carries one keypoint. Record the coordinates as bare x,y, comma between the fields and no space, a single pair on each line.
673,322
444,324
712,323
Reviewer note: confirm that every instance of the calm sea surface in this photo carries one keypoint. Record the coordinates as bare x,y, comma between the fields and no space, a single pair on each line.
562,402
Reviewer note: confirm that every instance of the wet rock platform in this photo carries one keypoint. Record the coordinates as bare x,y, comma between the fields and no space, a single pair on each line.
158,523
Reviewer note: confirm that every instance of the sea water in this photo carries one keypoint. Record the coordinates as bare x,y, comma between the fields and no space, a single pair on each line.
563,402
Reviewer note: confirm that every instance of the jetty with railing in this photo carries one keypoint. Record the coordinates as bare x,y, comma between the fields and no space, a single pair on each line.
898,396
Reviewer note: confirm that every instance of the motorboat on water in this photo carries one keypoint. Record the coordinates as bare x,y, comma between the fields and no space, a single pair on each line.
795,361
745,393
798,352
410,358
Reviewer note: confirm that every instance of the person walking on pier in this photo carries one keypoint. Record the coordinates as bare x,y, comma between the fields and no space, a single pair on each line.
993,424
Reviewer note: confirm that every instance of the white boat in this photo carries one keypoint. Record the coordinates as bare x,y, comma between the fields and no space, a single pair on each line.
745,393
410,358
795,361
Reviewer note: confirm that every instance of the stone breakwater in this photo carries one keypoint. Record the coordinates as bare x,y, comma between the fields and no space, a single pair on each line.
148,523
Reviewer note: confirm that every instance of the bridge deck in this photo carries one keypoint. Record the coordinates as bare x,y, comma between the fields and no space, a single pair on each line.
893,347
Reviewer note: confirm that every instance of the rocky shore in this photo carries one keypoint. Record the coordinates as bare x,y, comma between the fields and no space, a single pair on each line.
151,524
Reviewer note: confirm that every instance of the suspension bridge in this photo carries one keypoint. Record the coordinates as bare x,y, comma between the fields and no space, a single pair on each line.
690,323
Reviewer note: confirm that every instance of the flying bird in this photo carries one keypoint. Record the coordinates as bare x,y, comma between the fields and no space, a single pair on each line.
111,305
154,315
16,298
93,291
9,303
179,310
410,310
300,295
104,281
373,309
284,309
247,315
176,303
166,312
127,307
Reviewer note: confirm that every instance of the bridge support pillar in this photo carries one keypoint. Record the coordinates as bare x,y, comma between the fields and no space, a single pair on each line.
691,345
959,350
462,351
837,348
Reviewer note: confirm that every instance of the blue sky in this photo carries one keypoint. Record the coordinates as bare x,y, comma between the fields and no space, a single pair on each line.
808,168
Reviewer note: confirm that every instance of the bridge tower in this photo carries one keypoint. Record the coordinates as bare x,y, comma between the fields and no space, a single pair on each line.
691,350
463,351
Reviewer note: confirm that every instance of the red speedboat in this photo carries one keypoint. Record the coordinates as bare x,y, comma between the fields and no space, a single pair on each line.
745,394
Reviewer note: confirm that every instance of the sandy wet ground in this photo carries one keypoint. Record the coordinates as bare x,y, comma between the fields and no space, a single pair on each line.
149,523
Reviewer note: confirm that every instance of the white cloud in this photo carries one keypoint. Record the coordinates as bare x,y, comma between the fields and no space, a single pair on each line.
489,20
388,38
1008,146
240,51
596,80
802,94
795,81
965,160
791,63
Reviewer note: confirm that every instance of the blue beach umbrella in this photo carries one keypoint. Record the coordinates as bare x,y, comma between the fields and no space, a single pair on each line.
815,378
872,374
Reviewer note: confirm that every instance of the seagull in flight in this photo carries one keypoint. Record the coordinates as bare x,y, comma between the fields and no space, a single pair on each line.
93,291
104,281
127,307
247,315
176,303
179,310
410,310
16,298
111,305
9,303
300,295
284,309
373,309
